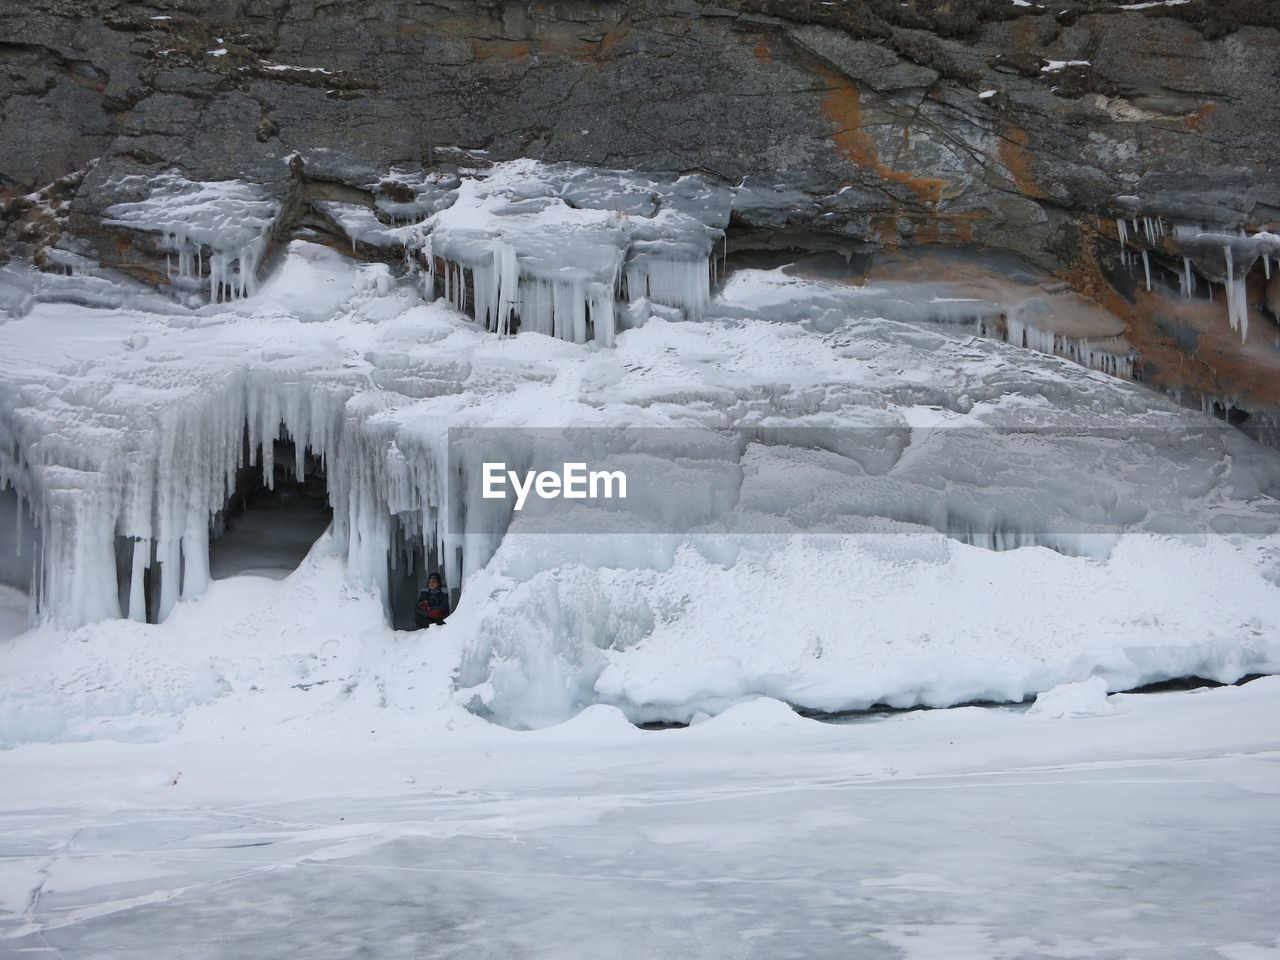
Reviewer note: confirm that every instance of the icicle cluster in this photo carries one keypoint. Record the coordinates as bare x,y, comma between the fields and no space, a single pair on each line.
553,249
1239,253
1110,355
673,282
217,232
143,496
155,487
525,246
1152,228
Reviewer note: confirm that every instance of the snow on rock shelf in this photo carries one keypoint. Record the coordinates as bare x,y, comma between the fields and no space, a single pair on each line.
552,247
852,448
226,223
523,245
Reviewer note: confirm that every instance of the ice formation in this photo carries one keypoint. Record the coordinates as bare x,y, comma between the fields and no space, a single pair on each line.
521,245
1239,254
1056,324
1108,354
864,433
138,453
551,249
1203,248
211,232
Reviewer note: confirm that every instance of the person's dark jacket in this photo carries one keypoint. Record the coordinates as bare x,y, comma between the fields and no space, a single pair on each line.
433,607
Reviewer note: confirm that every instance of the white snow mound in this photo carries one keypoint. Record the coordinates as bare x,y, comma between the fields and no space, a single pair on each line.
1087,698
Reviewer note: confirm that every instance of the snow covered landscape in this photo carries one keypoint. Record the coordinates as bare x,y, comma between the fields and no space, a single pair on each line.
932,604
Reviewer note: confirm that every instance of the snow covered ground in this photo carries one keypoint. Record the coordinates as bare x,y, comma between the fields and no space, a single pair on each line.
1136,826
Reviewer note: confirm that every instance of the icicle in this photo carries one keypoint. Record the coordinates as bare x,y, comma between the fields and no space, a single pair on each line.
195,557
604,321
1231,306
507,290
428,257
169,556
1189,280
1123,230
137,586
1146,268
1237,297
672,282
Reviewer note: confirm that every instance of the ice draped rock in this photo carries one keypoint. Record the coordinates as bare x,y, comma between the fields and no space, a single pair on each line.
553,247
520,245
228,223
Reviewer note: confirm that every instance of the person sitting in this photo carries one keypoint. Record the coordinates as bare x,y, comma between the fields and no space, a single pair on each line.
433,603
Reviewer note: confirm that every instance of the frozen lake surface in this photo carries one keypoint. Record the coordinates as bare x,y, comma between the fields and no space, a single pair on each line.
1147,829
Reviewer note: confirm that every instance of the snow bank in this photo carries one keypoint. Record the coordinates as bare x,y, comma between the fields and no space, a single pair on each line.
1086,698
309,653
835,624
597,722
755,716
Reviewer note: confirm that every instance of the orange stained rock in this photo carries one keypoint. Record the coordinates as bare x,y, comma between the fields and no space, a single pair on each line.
944,228
505,49
1016,158
1025,34
842,107
1200,116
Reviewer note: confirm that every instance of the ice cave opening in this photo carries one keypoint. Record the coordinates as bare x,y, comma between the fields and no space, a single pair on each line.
267,529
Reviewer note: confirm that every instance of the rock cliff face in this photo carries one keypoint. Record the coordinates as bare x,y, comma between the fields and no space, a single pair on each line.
854,126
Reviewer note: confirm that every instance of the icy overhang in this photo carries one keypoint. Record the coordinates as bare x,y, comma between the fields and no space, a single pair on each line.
229,222
553,248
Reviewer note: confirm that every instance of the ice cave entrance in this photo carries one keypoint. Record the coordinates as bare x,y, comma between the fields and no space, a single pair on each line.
267,530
